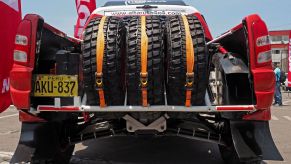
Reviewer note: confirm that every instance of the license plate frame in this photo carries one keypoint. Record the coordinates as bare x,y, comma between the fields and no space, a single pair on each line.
46,85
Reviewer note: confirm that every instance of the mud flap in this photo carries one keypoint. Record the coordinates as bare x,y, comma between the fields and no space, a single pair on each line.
35,139
253,140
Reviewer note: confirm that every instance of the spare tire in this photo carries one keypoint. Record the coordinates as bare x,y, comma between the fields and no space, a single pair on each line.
113,72
155,63
176,61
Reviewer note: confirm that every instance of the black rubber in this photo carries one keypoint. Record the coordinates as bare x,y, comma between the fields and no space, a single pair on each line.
176,61
228,152
113,72
63,156
43,143
126,21
155,65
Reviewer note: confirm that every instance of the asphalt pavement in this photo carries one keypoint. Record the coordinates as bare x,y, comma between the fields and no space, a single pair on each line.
129,150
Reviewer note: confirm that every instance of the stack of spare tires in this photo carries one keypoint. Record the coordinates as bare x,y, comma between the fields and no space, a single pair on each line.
124,62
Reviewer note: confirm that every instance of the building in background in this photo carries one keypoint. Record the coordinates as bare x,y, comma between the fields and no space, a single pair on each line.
279,45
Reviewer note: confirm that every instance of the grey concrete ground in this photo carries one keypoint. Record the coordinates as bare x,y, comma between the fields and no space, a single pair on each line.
143,150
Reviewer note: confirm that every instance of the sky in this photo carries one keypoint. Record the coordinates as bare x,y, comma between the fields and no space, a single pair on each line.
220,15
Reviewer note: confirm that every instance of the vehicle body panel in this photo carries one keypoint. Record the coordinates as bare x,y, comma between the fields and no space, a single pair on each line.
10,17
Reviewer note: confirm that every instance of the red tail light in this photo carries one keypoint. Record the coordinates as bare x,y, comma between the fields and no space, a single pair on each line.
262,44
23,43
261,64
24,56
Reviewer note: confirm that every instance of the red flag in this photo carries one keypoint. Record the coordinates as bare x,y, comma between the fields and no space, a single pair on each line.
84,9
289,61
10,16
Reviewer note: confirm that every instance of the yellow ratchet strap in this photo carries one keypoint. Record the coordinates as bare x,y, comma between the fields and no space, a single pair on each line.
144,60
99,61
190,62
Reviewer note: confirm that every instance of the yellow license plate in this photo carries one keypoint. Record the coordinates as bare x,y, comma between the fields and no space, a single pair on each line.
55,86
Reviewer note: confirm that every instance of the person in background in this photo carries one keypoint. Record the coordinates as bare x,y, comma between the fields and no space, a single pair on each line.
278,95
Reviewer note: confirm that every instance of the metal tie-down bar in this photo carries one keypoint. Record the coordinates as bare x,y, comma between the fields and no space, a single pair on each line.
80,107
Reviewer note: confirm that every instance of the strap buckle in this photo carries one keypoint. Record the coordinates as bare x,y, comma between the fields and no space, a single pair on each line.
144,79
99,80
189,80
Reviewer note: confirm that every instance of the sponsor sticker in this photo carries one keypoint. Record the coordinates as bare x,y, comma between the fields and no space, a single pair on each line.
137,2
144,12
5,85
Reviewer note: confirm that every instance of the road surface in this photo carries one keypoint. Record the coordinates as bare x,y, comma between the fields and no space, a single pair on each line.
148,150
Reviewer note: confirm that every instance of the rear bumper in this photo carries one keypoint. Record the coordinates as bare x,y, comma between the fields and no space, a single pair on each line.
83,108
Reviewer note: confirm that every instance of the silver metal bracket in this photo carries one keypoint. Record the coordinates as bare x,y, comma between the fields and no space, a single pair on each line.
133,125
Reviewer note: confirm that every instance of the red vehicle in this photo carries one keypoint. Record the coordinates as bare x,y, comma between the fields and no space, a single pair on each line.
143,67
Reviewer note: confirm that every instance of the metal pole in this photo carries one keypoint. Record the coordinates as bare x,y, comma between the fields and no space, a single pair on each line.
281,63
